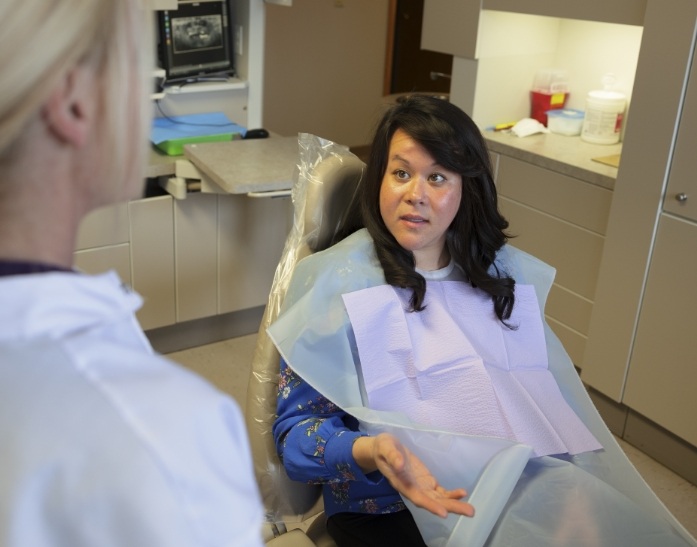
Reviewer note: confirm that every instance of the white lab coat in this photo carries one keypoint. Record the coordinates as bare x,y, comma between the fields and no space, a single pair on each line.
104,443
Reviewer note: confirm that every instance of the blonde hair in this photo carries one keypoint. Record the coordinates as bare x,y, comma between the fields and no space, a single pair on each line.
41,40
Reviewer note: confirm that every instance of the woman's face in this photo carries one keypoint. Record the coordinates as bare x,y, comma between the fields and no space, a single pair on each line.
418,201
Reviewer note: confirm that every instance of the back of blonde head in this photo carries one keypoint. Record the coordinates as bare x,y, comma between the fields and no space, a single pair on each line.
41,40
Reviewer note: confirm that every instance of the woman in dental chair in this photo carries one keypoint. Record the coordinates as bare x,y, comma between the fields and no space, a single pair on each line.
417,369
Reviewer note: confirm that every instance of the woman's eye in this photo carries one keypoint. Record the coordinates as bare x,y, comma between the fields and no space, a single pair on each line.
436,177
401,174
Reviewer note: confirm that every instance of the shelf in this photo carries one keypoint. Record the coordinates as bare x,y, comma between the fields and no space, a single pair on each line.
206,87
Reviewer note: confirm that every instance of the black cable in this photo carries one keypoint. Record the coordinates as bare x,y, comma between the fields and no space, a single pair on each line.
178,122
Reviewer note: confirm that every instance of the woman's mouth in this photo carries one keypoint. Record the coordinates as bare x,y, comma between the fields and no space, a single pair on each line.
416,219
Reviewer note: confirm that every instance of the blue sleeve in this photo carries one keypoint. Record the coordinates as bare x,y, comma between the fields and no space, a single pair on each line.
313,436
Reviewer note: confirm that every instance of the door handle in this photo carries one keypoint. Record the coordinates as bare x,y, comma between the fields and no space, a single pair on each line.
436,75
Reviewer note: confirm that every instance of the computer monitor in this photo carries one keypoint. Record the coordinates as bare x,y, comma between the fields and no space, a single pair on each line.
195,39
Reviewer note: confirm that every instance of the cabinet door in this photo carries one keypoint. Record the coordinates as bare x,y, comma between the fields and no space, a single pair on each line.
252,235
152,259
450,26
663,369
681,194
196,256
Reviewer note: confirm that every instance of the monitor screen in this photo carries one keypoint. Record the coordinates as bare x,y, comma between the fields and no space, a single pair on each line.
195,39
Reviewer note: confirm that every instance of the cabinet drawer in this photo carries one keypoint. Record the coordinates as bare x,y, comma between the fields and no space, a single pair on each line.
569,308
102,227
573,251
568,314
96,261
567,198
574,343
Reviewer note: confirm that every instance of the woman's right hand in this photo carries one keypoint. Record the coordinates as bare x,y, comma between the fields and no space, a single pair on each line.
408,475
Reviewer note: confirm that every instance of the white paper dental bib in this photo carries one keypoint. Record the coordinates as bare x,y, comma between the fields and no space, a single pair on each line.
455,366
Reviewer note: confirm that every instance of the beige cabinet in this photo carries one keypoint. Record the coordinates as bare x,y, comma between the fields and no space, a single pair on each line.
663,372
227,248
196,256
562,221
206,255
103,242
252,234
626,12
681,192
641,349
152,259
450,26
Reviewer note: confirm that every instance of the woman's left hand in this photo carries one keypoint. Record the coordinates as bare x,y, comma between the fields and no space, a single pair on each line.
411,478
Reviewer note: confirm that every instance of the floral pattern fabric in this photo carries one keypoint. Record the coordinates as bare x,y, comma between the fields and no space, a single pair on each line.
314,439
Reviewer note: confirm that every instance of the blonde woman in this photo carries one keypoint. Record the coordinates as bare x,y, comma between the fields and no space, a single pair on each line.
103,442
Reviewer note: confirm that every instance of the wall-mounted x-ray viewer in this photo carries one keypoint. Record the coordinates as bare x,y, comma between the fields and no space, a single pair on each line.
195,40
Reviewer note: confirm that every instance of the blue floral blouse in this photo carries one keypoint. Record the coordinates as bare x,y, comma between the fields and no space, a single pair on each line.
314,439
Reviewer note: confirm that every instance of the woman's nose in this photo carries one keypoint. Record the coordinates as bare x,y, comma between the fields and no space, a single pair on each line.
416,192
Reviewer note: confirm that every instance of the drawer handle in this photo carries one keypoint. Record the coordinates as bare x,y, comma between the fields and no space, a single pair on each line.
269,194
681,197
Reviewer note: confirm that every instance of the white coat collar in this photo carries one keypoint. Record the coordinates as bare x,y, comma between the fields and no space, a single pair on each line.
52,305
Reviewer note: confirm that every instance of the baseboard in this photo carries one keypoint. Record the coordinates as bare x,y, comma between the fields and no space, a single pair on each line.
657,442
207,330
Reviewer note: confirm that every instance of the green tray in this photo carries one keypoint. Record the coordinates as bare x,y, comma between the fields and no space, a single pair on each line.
175,147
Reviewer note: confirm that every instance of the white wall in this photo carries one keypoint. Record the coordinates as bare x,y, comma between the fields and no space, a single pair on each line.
511,48
324,66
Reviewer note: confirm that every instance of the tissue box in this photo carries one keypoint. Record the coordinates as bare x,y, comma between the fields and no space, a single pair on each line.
566,121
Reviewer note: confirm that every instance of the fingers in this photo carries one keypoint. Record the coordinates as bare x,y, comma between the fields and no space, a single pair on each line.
410,477
442,506
457,494
459,507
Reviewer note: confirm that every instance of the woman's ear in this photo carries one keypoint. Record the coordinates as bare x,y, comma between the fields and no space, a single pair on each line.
70,109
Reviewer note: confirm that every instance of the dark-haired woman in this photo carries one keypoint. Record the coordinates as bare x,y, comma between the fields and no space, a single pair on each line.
431,234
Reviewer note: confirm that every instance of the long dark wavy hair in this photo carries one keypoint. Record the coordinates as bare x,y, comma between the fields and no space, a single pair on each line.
478,229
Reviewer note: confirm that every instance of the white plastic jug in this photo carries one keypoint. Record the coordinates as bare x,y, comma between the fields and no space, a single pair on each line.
602,122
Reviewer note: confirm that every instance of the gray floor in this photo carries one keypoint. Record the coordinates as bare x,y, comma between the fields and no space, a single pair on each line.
226,364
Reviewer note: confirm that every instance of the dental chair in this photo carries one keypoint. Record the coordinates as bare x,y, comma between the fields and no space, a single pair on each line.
321,198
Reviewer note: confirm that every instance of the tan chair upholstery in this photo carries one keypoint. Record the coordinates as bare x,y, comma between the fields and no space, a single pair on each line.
319,210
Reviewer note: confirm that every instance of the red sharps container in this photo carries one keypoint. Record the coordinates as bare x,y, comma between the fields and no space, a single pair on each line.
550,91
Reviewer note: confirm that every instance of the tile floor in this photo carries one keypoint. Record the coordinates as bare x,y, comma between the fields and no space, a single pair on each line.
226,365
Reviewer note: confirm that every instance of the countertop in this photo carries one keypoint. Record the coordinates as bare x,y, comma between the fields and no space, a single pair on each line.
236,167
560,153
260,165
160,165
241,166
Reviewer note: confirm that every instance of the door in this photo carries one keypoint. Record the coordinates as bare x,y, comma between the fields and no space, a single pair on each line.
413,68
